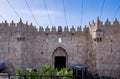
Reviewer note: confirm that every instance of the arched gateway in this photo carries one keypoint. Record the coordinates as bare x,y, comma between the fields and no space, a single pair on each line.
60,58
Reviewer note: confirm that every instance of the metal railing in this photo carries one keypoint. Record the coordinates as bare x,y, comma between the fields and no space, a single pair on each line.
35,77
50,77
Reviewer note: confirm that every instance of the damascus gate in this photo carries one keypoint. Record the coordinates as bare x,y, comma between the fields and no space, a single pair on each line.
97,45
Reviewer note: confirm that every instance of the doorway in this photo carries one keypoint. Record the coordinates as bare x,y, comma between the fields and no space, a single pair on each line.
60,62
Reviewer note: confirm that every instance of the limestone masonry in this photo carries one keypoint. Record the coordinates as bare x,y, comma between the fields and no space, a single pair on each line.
97,45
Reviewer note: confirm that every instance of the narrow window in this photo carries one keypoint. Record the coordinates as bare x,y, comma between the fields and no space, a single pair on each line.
59,40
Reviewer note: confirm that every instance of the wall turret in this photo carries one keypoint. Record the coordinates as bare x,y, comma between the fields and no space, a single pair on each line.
97,35
96,31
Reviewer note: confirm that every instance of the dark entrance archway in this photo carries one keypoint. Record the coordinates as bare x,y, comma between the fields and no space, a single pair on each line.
60,58
60,62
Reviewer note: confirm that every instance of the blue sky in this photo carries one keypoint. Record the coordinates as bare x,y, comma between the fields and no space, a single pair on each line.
91,10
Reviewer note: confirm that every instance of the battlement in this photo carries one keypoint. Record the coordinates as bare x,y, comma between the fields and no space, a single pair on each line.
60,29
103,26
98,28
99,23
24,45
30,27
25,26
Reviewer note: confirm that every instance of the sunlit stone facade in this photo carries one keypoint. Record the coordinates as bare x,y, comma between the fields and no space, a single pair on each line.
97,45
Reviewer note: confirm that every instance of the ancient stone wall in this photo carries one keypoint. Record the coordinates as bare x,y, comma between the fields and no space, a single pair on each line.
97,45
107,47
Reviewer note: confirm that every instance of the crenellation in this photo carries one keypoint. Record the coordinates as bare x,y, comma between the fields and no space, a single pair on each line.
12,24
60,29
41,29
1,25
33,29
31,25
21,21
66,29
116,22
72,30
26,24
12,28
20,25
98,23
28,46
53,29
79,29
107,23
90,25
93,23
85,28
47,30
6,24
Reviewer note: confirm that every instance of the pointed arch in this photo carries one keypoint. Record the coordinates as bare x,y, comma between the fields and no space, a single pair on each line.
60,51
60,57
